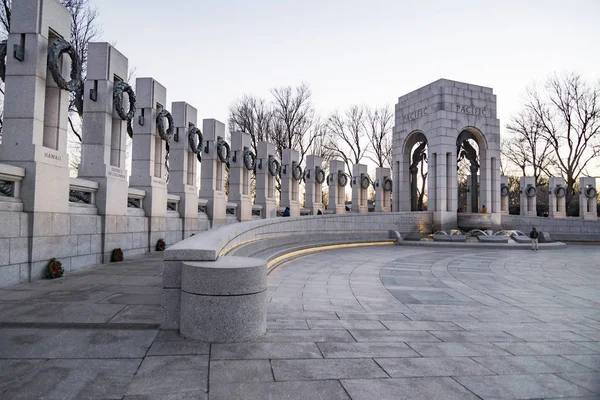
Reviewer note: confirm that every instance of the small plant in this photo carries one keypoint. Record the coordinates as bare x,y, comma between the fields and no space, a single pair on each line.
116,255
160,245
54,269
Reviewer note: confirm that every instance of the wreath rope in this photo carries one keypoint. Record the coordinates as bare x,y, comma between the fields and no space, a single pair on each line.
274,166
297,172
222,144
165,134
249,160
118,92
319,175
387,184
196,147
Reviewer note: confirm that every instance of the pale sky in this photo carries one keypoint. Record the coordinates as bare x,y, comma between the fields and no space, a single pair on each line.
209,53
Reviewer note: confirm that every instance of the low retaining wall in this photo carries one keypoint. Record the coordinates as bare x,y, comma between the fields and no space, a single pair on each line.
215,249
572,229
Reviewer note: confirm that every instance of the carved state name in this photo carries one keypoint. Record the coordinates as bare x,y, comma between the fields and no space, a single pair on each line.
459,108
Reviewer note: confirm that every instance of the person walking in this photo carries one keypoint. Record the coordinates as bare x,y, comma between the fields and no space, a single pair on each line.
534,239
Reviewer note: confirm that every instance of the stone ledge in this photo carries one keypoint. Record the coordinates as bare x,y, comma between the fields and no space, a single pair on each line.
495,246
227,276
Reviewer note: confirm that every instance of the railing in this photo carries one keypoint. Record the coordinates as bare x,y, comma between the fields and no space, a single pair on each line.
10,181
135,199
202,203
82,192
257,210
231,208
173,202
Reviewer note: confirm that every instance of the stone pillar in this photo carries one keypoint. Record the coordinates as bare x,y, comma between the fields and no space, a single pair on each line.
473,185
360,194
504,193
34,131
442,185
212,173
382,195
313,189
239,176
528,196
183,166
290,187
104,142
337,192
149,172
557,198
588,199
265,181
414,198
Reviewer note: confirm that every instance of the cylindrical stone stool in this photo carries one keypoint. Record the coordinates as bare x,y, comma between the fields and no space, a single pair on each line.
224,300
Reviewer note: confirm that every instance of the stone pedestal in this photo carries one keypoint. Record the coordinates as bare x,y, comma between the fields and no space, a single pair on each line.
360,194
183,165
212,173
239,176
104,142
528,196
313,196
265,181
290,187
337,191
588,199
383,184
34,131
557,198
149,172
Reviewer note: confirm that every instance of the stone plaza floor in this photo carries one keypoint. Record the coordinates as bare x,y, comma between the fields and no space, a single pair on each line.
382,322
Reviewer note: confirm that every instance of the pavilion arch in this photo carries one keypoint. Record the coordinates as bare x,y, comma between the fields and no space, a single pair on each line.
446,113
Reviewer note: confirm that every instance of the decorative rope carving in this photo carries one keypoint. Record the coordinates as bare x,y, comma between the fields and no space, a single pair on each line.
342,179
249,160
387,184
118,90
274,166
296,171
165,134
223,151
58,48
2,62
319,175
365,181
196,147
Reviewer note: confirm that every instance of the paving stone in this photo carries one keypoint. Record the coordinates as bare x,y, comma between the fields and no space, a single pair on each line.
12,371
452,349
171,375
74,343
300,370
595,346
178,348
421,326
431,366
590,361
140,314
393,336
529,365
75,379
302,335
588,380
286,324
521,386
314,390
240,371
373,316
80,312
345,324
544,348
406,388
537,336
366,349
257,350
474,336
153,299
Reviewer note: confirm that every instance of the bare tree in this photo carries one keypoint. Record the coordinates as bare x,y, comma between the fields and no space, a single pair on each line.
527,147
378,125
348,139
253,116
294,119
568,111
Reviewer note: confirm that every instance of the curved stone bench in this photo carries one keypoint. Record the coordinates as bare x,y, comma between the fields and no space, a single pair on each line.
214,283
